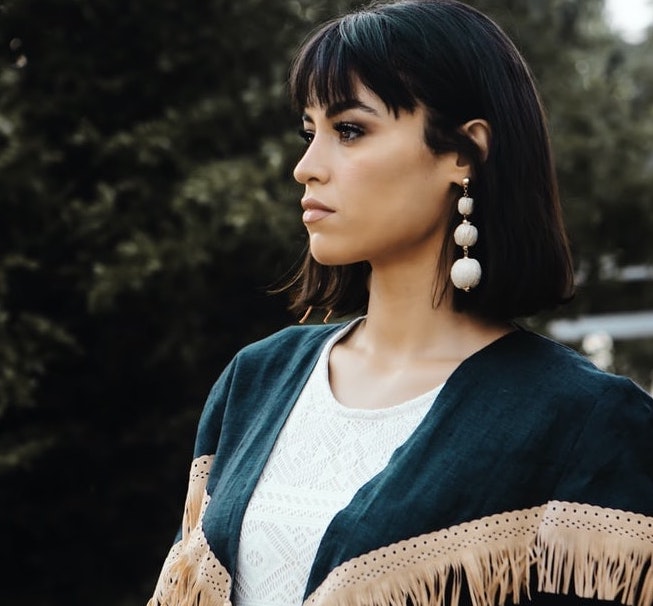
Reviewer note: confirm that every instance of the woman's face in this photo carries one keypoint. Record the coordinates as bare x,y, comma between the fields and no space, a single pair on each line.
374,191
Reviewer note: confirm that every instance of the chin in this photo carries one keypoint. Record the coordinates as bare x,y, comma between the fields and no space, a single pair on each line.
328,251
330,258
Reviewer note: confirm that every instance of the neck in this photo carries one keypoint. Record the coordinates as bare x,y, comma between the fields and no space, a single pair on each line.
403,318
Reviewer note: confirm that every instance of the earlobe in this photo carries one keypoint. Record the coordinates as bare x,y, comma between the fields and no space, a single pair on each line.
479,131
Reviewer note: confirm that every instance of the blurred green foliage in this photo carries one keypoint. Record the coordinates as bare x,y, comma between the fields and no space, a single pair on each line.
147,205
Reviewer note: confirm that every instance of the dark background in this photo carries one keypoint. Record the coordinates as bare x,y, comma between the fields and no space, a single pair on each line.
146,207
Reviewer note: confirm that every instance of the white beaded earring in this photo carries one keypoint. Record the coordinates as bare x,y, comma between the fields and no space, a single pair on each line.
465,272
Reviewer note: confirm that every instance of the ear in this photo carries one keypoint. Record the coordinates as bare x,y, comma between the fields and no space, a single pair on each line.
480,133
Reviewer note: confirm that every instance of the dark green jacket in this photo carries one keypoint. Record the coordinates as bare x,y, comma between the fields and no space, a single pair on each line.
533,469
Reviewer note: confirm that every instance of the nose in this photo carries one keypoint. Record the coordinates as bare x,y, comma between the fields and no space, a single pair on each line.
312,166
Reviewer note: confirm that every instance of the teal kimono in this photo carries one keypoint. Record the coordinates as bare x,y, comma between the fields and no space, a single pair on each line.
531,475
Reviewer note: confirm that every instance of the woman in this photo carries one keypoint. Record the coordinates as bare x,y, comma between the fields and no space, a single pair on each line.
429,450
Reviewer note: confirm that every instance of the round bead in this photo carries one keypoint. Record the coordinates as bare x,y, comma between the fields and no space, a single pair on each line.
466,273
466,234
465,205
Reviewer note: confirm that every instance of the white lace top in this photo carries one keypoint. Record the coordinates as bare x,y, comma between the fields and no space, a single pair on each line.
323,455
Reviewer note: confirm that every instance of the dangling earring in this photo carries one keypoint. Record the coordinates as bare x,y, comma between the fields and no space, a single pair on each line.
465,272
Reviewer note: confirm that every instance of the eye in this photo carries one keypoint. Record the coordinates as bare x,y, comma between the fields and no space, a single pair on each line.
306,135
348,131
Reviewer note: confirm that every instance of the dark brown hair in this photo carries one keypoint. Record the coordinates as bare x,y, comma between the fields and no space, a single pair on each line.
459,65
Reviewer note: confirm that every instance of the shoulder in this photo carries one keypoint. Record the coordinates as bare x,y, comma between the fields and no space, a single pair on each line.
287,351
551,378
537,360
610,405
288,343
582,375
263,369
289,348
601,422
298,335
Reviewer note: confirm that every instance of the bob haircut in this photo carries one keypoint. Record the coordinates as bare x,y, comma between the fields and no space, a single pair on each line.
459,65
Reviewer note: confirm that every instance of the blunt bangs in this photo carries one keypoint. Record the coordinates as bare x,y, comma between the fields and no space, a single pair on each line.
341,52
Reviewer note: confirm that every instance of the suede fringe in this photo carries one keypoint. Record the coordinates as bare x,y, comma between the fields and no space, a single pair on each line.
491,578
191,574
588,550
591,551
493,556
596,552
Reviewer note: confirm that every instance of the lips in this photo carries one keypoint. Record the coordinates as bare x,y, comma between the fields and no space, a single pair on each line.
314,210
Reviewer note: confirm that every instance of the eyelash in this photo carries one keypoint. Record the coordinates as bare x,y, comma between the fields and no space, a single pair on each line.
353,131
348,132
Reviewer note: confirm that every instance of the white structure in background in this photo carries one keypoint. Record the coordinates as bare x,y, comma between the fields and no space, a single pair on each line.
627,325
599,347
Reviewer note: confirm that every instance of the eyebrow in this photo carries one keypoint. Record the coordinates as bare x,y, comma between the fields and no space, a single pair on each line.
341,106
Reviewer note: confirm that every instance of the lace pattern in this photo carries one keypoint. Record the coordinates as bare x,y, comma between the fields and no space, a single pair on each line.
323,455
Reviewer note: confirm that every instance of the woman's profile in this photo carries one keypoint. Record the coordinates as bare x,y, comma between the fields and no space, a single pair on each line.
422,447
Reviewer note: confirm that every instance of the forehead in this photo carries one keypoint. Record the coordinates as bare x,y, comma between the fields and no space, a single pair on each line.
328,89
361,98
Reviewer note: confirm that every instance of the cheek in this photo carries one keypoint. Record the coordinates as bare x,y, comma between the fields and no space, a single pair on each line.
385,173
404,179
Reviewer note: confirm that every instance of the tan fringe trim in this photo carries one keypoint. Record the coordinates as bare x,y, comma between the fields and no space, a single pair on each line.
599,552
191,574
608,554
494,553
